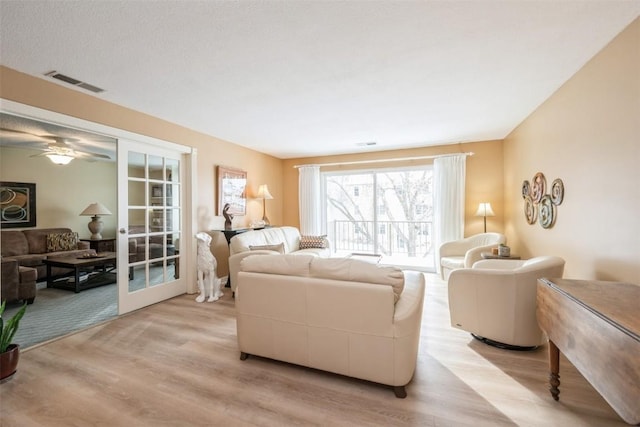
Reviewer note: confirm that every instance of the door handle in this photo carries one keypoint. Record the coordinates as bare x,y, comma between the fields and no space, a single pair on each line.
123,231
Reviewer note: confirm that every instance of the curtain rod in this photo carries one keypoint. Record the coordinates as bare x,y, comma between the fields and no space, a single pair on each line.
400,159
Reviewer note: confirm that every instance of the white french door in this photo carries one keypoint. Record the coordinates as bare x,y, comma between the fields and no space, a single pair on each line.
151,194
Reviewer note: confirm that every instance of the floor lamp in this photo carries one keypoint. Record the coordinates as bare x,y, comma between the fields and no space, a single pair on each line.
484,210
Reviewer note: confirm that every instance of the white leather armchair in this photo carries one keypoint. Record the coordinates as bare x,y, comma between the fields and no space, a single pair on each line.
495,300
463,253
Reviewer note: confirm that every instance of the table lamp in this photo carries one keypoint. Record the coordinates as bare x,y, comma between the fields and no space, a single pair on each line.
94,210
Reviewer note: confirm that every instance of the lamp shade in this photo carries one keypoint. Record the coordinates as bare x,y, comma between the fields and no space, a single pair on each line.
484,209
96,208
263,192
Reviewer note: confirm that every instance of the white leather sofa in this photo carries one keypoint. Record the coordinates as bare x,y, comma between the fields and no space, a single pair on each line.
336,314
495,300
464,252
267,242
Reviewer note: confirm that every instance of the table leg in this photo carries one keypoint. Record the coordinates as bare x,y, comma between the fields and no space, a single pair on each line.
77,283
49,278
554,370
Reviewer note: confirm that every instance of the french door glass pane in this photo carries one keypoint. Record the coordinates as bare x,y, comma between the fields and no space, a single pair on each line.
154,220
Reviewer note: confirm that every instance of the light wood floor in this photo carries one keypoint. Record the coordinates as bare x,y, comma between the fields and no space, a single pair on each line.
177,364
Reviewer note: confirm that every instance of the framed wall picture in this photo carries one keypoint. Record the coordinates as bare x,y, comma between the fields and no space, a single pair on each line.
17,204
232,185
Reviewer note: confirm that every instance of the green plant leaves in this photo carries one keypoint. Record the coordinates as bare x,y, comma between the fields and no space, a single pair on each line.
10,327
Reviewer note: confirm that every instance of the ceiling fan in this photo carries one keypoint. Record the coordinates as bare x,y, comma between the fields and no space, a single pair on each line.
56,148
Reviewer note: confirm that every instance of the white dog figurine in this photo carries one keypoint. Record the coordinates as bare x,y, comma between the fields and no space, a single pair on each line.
207,270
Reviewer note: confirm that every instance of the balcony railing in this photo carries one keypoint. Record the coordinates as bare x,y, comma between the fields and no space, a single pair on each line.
411,239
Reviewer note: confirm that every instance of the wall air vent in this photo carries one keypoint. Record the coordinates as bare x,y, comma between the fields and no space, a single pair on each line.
74,82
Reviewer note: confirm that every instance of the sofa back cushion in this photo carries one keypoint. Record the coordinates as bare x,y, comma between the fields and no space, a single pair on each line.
268,236
37,238
136,229
354,270
288,265
341,269
276,248
291,238
14,243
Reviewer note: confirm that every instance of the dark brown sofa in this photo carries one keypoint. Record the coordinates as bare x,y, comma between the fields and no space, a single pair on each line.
29,249
18,283
137,245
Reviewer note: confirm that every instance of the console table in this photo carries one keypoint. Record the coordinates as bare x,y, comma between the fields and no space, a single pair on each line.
596,326
229,233
101,245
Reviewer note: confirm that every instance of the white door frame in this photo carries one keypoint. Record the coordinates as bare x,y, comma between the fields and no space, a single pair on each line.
190,165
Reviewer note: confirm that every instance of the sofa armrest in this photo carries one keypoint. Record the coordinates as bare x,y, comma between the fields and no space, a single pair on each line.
408,310
83,245
475,254
236,259
454,247
10,279
498,264
133,246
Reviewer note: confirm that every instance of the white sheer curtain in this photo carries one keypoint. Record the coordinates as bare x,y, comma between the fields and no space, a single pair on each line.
448,199
310,200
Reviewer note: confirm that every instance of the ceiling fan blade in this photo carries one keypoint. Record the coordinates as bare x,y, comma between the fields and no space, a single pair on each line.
19,136
42,154
88,155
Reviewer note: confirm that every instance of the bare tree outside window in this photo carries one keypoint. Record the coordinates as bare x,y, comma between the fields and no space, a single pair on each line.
391,215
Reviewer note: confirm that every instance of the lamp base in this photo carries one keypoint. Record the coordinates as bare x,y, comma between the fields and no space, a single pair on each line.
265,220
95,227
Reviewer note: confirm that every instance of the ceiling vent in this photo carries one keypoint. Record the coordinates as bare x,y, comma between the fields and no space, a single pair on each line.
366,144
74,82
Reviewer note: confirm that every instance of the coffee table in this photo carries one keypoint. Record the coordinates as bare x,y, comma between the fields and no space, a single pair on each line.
106,261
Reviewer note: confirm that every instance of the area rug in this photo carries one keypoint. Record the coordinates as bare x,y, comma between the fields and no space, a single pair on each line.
58,312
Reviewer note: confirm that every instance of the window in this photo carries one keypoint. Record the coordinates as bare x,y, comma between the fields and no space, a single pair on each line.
385,211
382,229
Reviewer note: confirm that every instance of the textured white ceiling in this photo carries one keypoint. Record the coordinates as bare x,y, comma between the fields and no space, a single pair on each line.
304,78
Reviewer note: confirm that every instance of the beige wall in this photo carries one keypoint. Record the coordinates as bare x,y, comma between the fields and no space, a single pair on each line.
62,192
483,180
261,168
587,134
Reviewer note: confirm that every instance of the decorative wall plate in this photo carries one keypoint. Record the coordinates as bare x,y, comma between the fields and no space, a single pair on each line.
538,187
526,189
547,212
530,210
557,191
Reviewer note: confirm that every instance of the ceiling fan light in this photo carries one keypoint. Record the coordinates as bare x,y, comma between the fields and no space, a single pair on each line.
60,159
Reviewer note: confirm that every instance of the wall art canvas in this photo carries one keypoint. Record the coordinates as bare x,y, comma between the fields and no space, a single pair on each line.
17,205
232,184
